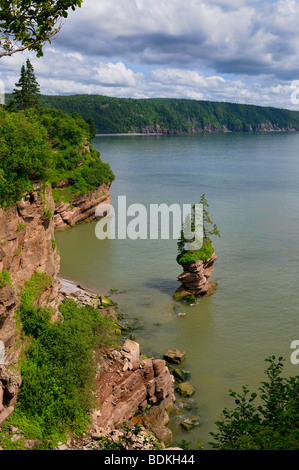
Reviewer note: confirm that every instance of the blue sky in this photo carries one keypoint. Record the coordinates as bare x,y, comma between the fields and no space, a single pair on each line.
222,50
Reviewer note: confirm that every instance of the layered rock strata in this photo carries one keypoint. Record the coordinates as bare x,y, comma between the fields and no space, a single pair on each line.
211,129
196,279
26,245
81,208
128,383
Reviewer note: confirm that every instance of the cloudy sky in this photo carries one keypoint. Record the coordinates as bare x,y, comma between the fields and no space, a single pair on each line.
244,51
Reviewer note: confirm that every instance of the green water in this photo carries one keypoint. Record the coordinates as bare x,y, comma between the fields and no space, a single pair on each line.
251,183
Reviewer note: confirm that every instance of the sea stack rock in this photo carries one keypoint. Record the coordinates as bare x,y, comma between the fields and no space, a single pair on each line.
196,280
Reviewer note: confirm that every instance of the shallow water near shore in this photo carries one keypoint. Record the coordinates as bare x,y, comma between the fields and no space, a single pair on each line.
251,184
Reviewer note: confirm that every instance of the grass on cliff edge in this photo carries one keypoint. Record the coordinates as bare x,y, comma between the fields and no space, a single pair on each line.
58,368
47,146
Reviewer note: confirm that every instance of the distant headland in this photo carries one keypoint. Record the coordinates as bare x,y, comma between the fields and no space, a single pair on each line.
170,116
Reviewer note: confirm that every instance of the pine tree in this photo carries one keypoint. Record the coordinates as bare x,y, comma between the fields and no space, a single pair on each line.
27,91
92,127
189,233
209,228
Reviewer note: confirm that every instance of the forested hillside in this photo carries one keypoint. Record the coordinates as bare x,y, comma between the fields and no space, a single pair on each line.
122,115
47,146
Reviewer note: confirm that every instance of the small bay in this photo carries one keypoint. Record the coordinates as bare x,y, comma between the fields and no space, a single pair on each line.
251,183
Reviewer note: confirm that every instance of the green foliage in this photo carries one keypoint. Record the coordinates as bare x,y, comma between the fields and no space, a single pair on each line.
204,253
272,424
29,24
4,278
47,146
186,445
209,228
125,115
58,372
74,162
92,127
21,227
205,248
33,288
130,439
48,214
25,155
27,96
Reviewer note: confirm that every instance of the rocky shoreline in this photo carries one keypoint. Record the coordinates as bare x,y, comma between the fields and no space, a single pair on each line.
157,130
81,209
130,388
127,382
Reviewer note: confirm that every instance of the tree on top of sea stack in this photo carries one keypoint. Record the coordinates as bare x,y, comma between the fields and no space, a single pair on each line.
30,24
198,262
209,228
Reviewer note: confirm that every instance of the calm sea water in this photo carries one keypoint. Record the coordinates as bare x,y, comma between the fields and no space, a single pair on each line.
251,183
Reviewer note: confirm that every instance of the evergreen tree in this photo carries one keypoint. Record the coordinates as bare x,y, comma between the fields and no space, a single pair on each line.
92,127
189,232
27,91
209,228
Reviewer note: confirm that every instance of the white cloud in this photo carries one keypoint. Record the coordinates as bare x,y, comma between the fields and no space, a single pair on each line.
231,50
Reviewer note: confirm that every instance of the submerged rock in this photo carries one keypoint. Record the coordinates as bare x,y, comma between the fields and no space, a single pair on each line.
189,424
182,295
180,375
185,389
174,356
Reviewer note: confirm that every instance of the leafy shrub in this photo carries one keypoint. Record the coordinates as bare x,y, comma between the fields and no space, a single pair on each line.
270,425
33,288
25,155
4,278
58,372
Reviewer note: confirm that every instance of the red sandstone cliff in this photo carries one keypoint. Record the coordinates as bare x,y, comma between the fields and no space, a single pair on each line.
81,208
27,243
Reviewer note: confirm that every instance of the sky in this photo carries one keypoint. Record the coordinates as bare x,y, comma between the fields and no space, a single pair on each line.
243,51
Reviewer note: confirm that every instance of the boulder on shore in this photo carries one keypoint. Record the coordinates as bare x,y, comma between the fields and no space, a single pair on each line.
174,356
185,389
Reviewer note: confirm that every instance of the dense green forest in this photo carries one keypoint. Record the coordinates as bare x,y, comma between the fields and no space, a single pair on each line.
47,145
123,115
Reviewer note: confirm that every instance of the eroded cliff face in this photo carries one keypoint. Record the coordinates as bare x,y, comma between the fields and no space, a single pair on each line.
81,208
127,383
26,245
196,128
